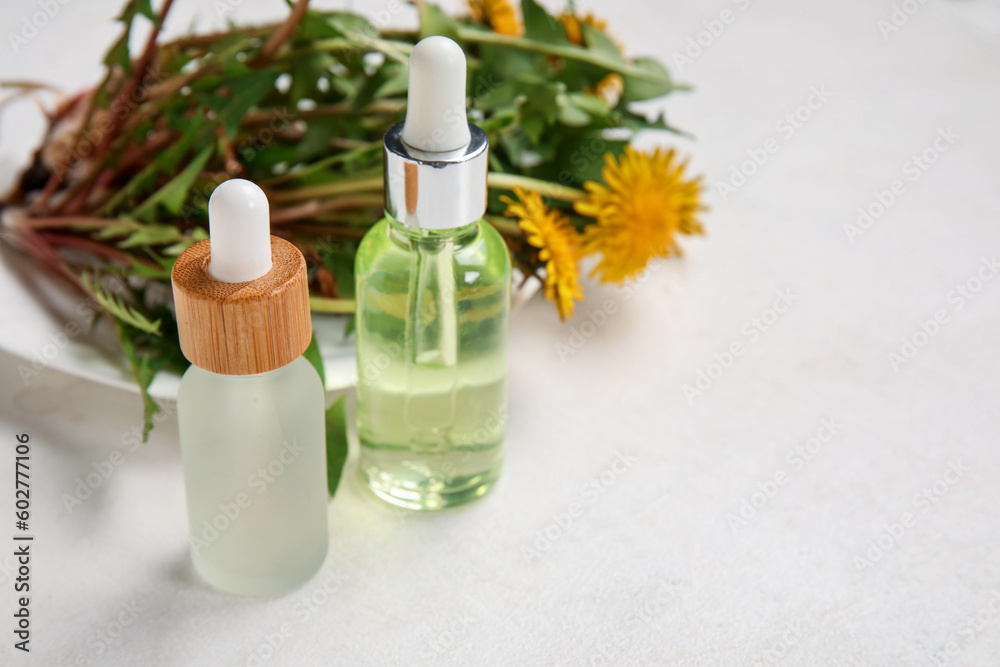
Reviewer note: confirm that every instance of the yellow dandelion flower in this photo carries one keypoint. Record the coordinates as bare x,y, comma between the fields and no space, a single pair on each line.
571,22
558,246
645,202
499,15
609,89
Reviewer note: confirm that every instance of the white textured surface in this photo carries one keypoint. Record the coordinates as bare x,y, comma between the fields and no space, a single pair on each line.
649,571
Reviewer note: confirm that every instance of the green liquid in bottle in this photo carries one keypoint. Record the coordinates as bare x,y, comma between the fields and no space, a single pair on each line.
433,307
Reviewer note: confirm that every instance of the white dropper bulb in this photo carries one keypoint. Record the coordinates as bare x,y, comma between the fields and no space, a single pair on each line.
435,101
239,226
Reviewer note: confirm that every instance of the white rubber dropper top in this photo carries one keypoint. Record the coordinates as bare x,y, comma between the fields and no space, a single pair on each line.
435,102
239,226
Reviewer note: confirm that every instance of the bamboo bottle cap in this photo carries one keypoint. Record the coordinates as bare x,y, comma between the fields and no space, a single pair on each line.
247,327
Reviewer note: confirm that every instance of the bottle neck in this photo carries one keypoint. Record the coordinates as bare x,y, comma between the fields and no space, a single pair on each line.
435,189
411,237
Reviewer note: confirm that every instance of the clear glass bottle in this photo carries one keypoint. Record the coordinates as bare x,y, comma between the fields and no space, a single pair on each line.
433,308
433,299
254,461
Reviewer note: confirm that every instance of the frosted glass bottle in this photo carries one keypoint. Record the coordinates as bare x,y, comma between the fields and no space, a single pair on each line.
253,452
250,407
433,308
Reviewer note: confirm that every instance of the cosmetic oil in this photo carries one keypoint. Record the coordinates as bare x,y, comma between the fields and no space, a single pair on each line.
250,407
433,300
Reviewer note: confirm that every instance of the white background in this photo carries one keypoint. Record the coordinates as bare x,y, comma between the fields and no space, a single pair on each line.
653,570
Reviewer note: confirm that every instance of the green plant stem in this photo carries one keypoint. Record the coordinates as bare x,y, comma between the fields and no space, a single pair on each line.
391,48
347,186
546,188
398,51
505,226
321,164
319,304
378,107
376,183
571,52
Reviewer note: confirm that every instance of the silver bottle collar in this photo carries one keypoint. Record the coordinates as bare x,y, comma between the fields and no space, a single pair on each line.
435,190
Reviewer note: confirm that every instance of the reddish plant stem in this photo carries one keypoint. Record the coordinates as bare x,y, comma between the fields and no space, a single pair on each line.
199,42
119,111
59,173
132,156
119,108
80,192
281,35
310,209
320,230
56,179
50,188
232,165
64,221
67,241
33,243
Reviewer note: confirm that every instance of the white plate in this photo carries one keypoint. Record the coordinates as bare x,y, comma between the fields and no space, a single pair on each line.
44,321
